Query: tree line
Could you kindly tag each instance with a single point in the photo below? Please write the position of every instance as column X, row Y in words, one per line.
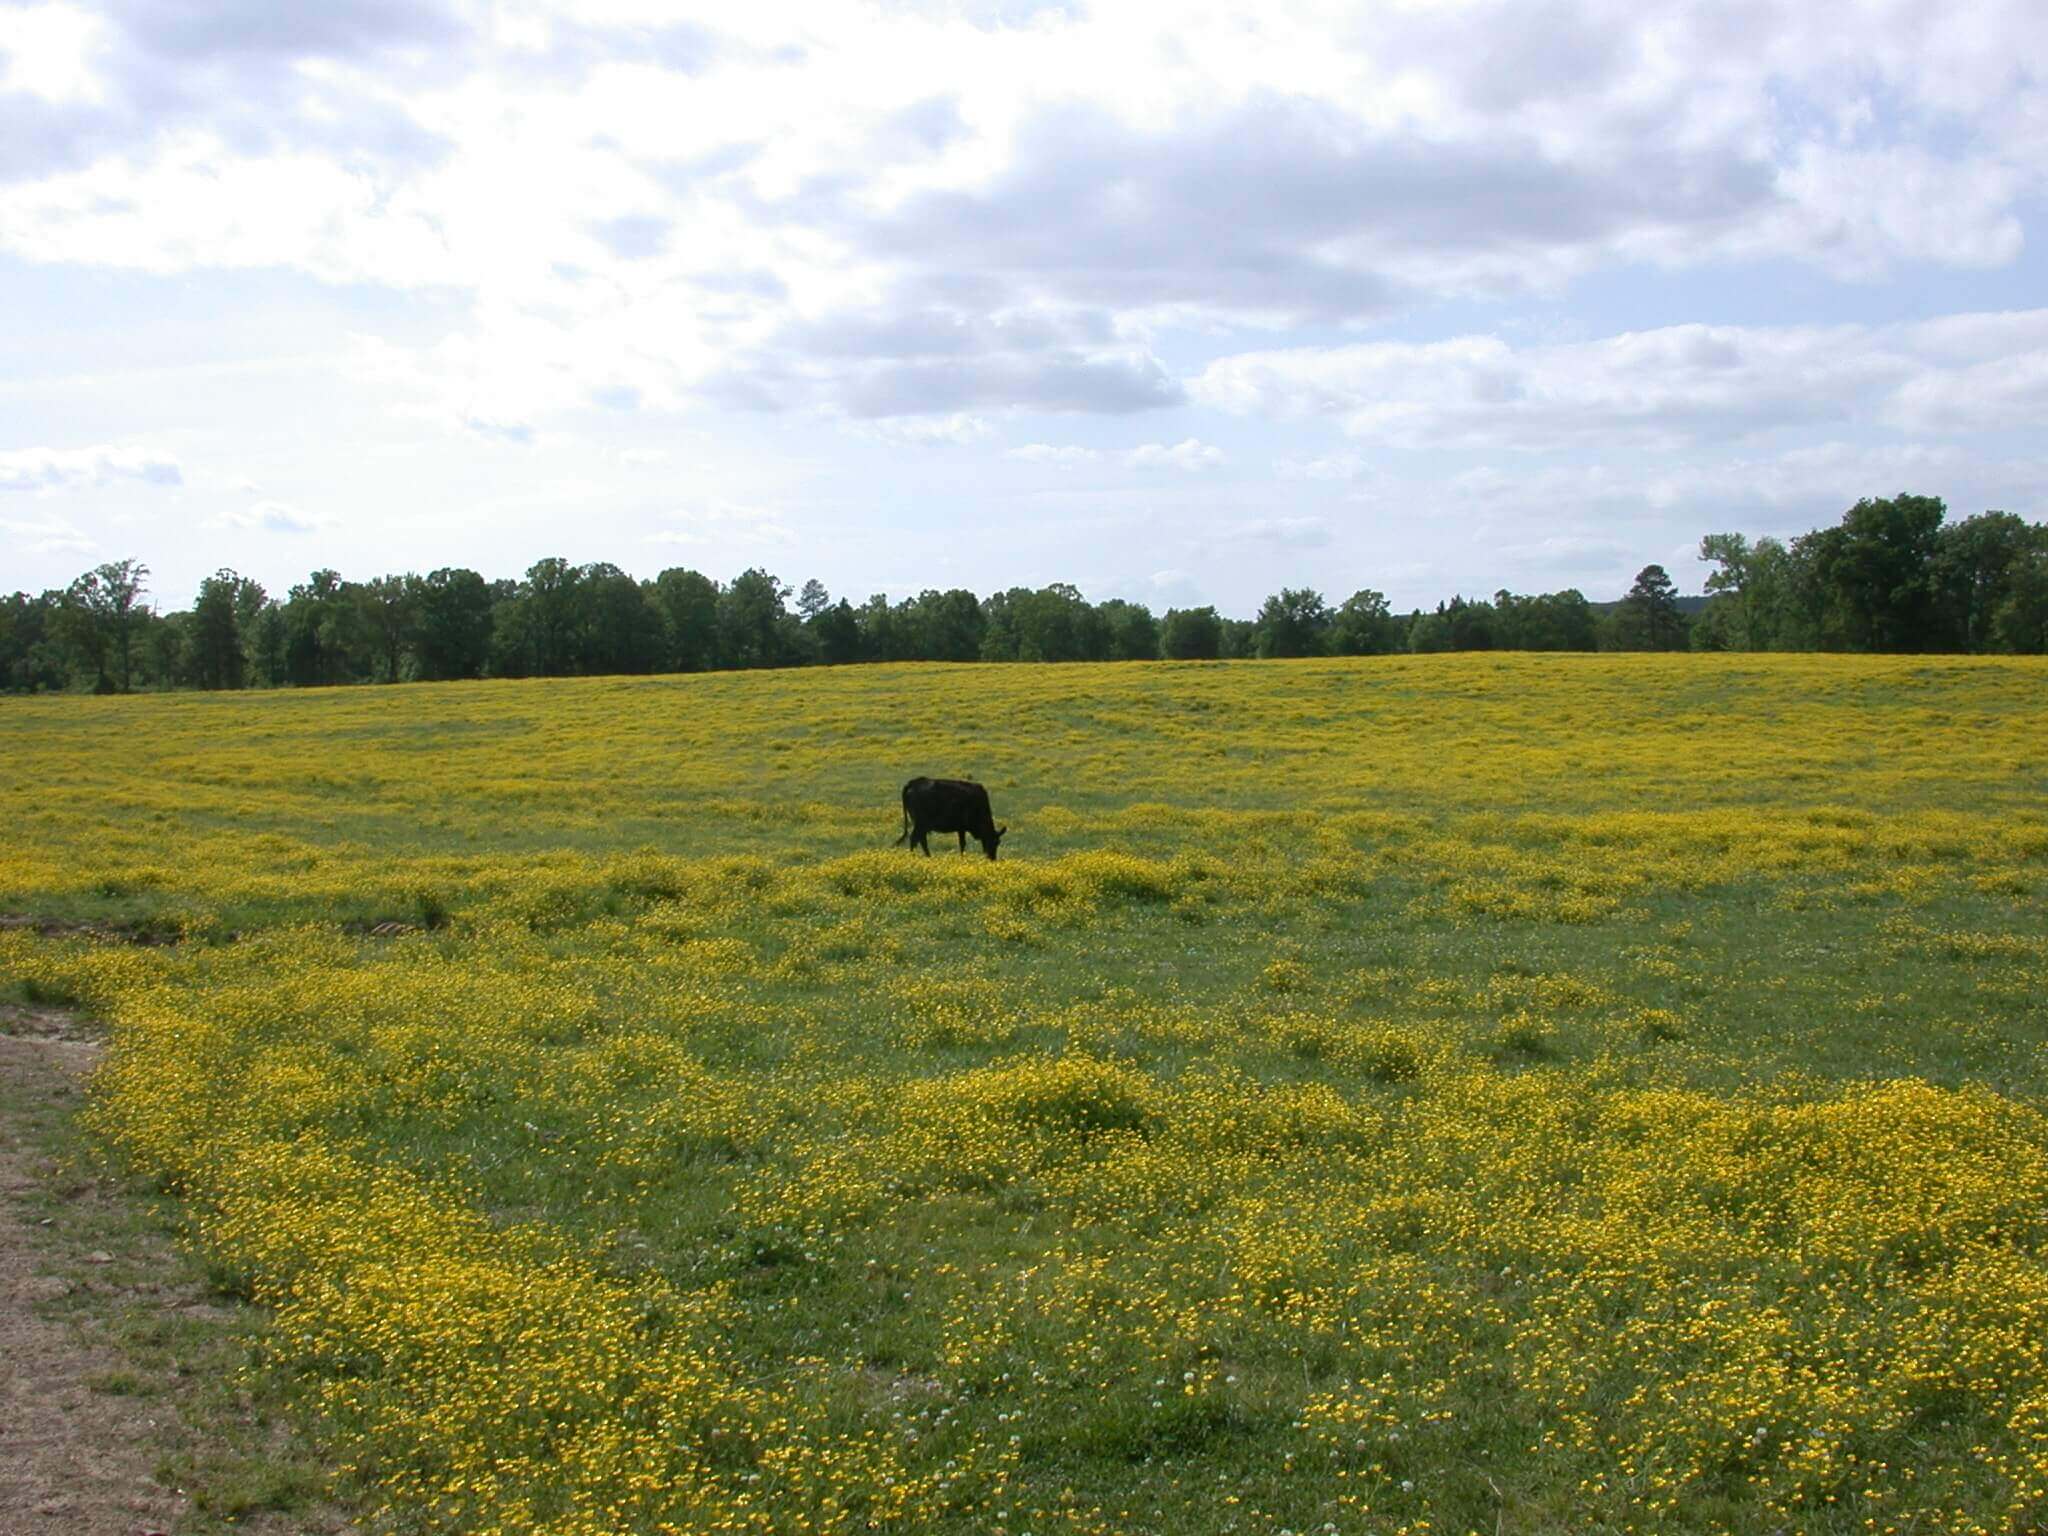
column 1893, row 575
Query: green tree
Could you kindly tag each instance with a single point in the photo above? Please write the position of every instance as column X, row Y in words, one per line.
column 1569, row 621
column 1474, row 624
column 122, row 582
column 1770, row 598
column 1871, row 578
column 884, row 634
column 452, row 624
column 813, row 600
column 2021, row 623
column 1973, row 565
column 1548, row 621
column 1714, row 628
column 999, row 630
column 31, row 651
column 512, row 643
column 263, row 645
column 1133, row 633
column 82, row 637
column 618, row 628
column 1191, row 634
column 1429, row 634
column 250, row 602
column 1459, row 625
column 1364, row 626
column 688, row 604
column 386, row 612
column 1733, row 614
column 1045, row 625
column 1763, row 598
column 316, row 646
column 838, row 632
column 1649, row 618
column 13, row 613
column 214, row 639
column 944, row 626
column 166, row 645
column 551, row 615
column 1293, row 622
column 1050, row 624
column 103, row 619
column 750, row 620
column 1094, row 635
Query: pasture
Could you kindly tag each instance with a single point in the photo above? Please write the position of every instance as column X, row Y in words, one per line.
column 1468, row 1093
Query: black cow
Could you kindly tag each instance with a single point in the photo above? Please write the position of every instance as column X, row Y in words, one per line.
column 948, row 805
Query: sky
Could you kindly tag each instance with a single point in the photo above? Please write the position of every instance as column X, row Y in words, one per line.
column 1178, row 303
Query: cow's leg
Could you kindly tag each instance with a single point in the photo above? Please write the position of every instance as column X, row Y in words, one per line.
column 922, row 839
column 963, row 842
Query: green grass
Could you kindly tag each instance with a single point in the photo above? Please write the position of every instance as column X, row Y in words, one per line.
column 1466, row 935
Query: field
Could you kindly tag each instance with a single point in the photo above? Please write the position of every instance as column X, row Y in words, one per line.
column 1497, row 1094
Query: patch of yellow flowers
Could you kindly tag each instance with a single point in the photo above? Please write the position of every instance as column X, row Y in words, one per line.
column 1142, row 1164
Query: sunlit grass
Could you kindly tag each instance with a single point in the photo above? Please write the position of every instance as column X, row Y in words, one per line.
column 1560, row 1094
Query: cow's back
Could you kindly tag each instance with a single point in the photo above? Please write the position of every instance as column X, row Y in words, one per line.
column 948, row 805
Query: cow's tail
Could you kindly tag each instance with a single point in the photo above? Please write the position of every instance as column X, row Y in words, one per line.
column 906, row 829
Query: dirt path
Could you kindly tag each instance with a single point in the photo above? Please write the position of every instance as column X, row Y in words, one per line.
column 73, row 1458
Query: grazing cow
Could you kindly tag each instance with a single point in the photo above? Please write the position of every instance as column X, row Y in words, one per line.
column 948, row 805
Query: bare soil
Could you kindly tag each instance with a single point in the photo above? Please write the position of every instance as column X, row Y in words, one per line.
column 92, row 1433
column 72, row 1460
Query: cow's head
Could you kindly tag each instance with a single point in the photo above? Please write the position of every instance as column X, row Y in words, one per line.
column 988, row 844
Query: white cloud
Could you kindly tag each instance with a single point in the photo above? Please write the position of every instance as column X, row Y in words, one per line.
column 1240, row 165
column 956, row 430
column 1332, row 467
column 47, row 536
column 720, row 523
column 1901, row 203
column 1534, row 525
column 1164, row 589
column 67, row 469
column 1561, row 554
column 1306, row 532
column 498, row 430
column 50, row 52
column 1065, row 454
column 1661, row 388
column 1187, row 454
column 511, row 372
column 194, row 203
column 971, row 221
column 270, row 517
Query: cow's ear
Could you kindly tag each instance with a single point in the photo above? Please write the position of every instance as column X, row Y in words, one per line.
column 1001, row 830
